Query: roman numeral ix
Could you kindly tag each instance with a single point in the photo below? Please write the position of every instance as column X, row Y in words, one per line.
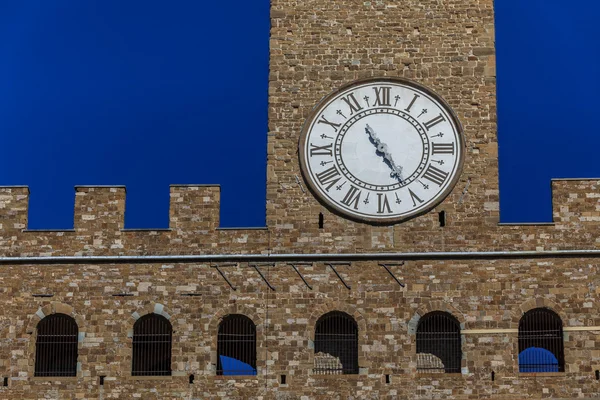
column 321, row 150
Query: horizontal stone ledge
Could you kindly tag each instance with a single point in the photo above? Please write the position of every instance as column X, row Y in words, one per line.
column 492, row 331
column 314, row 257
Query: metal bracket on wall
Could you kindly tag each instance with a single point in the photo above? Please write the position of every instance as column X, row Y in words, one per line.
column 223, row 275
column 338, row 275
column 255, row 266
column 387, row 265
column 300, row 275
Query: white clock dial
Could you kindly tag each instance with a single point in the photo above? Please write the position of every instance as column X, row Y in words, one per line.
column 382, row 150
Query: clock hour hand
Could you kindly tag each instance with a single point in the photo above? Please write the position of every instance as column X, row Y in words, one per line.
column 387, row 156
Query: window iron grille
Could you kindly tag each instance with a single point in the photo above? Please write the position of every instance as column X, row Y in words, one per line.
column 336, row 344
column 152, row 341
column 56, row 346
column 236, row 346
column 439, row 343
column 541, row 343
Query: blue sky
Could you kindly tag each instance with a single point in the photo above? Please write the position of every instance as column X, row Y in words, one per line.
column 140, row 93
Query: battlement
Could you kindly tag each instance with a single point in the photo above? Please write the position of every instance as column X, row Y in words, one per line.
column 102, row 208
column 576, row 201
column 99, row 225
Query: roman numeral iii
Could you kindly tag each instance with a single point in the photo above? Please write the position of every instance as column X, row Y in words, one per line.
column 435, row 175
column 329, row 177
column 352, row 197
column 442, row 148
column 321, row 150
column 382, row 96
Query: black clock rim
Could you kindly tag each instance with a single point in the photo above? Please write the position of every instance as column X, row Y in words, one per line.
column 379, row 221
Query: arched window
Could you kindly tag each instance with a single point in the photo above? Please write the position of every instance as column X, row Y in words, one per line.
column 236, row 346
column 56, row 346
column 438, row 343
column 541, row 347
column 152, row 336
column 336, row 344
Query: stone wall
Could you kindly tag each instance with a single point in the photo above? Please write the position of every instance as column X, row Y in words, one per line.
column 487, row 296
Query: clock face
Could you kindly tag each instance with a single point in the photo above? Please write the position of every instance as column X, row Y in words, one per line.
column 382, row 150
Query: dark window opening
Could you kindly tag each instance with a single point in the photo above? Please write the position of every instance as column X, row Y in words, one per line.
column 236, row 346
column 152, row 337
column 320, row 220
column 493, row 376
column 336, row 344
column 387, row 378
column 597, row 376
column 283, row 379
column 442, row 218
column 102, row 380
column 6, row 380
column 192, row 378
column 541, row 346
column 56, row 346
column 438, row 343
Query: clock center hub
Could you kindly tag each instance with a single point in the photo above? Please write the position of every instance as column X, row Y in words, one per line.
column 372, row 140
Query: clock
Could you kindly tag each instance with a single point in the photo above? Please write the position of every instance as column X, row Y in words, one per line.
column 381, row 150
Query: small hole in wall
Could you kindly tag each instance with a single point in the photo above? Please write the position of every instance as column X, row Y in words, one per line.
column 191, row 379
column 320, row 220
column 442, row 218
column 102, row 380
column 493, row 376
column 387, row 378
column 6, row 379
column 283, row 379
column 348, row 31
column 597, row 375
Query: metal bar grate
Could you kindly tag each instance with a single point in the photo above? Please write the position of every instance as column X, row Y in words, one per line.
column 152, row 338
column 439, row 343
column 336, row 344
column 56, row 346
column 236, row 346
column 541, row 345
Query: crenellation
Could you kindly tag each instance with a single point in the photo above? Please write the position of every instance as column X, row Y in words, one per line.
column 99, row 210
column 194, row 209
column 14, row 208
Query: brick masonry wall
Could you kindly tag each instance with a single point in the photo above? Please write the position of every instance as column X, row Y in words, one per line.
column 317, row 46
column 481, row 294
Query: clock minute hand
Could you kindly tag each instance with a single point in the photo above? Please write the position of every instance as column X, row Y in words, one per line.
column 383, row 148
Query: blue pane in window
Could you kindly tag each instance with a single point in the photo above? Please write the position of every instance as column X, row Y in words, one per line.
column 232, row 366
column 536, row 359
